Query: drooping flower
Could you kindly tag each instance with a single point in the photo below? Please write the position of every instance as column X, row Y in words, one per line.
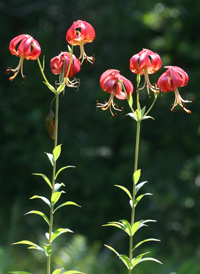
column 144, row 63
column 173, row 78
column 111, row 82
column 28, row 49
column 60, row 65
column 79, row 34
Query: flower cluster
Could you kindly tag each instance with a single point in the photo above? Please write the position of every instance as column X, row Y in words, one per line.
column 65, row 64
column 144, row 63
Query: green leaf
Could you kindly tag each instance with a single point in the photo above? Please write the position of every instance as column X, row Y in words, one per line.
column 56, row 152
column 125, row 190
column 57, row 271
column 61, row 88
column 61, row 169
column 39, row 213
column 31, row 245
column 138, row 115
column 50, row 86
column 50, row 156
column 115, row 224
column 143, row 110
column 42, row 198
column 130, row 100
column 147, row 117
column 135, row 227
column 148, row 259
column 132, row 115
column 125, row 260
column 58, row 186
column 137, row 260
column 127, row 226
column 140, row 197
column 139, row 186
column 58, row 232
column 112, row 249
column 44, row 177
column 136, row 176
column 55, row 197
column 66, row 204
column 48, row 249
column 20, row 272
column 144, row 241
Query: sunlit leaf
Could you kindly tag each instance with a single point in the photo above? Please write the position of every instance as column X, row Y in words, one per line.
column 140, row 197
column 132, row 115
column 127, row 226
column 48, row 249
column 111, row 248
column 136, row 176
column 148, row 259
column 55, row 197
column 58, row 232
column 115, row 224
column 137, row 260
column 125, row 190
column 139, row 186
column 144, row 241
column 31, row 245
column 66, row 204
column 125, row 260
column 39, row 213
column 58, row 186
column 135, row 227
column 57, row 271
column 61, row 169
column 42, row 198
column 50, row 156
column 50, row 86
column 44, row 177
column 56, row 152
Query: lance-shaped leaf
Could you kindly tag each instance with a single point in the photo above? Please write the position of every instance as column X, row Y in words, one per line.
column 125, row 190
column 58, row 232
column 48, row 249
column 132, row 115
column 144, row 241
column 57, row 271
column 50, row 157
column 58, row 186
column 136, row 176
column 147, row 259
column 140, row 197
column 42, row 198
column 50, row 86
column 20, row 272
column 30, row 244
column 56, row 152
column 123, row 225
column 44, row 177
column 56, row 196
column 66, row 204
column 39, row 213
column 137, row 259
column 61, row 169
column 139, row 186
column 122, row 257
column 127, row 226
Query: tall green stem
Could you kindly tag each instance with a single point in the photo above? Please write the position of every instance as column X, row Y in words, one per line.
column 137, row 143
column 53, row 180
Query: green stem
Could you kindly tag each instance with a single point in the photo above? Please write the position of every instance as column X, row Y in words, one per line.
column 53, row 180
column 137, row 143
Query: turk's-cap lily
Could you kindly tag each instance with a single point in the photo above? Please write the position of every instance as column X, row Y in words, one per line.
column 25, row 47
column 173, row 78
column 112, row 82
column 144, row 63
column 79, row 34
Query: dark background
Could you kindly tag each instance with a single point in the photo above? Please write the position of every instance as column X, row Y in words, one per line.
column 101, row 149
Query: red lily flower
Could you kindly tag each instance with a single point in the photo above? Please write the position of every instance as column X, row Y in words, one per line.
column 144, row 63
column 60, row 64
column 171, row 80
column 28, row 49
column 79, row 34
column 111, row 82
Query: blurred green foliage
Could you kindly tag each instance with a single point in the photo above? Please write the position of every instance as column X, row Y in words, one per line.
column 100, row 148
